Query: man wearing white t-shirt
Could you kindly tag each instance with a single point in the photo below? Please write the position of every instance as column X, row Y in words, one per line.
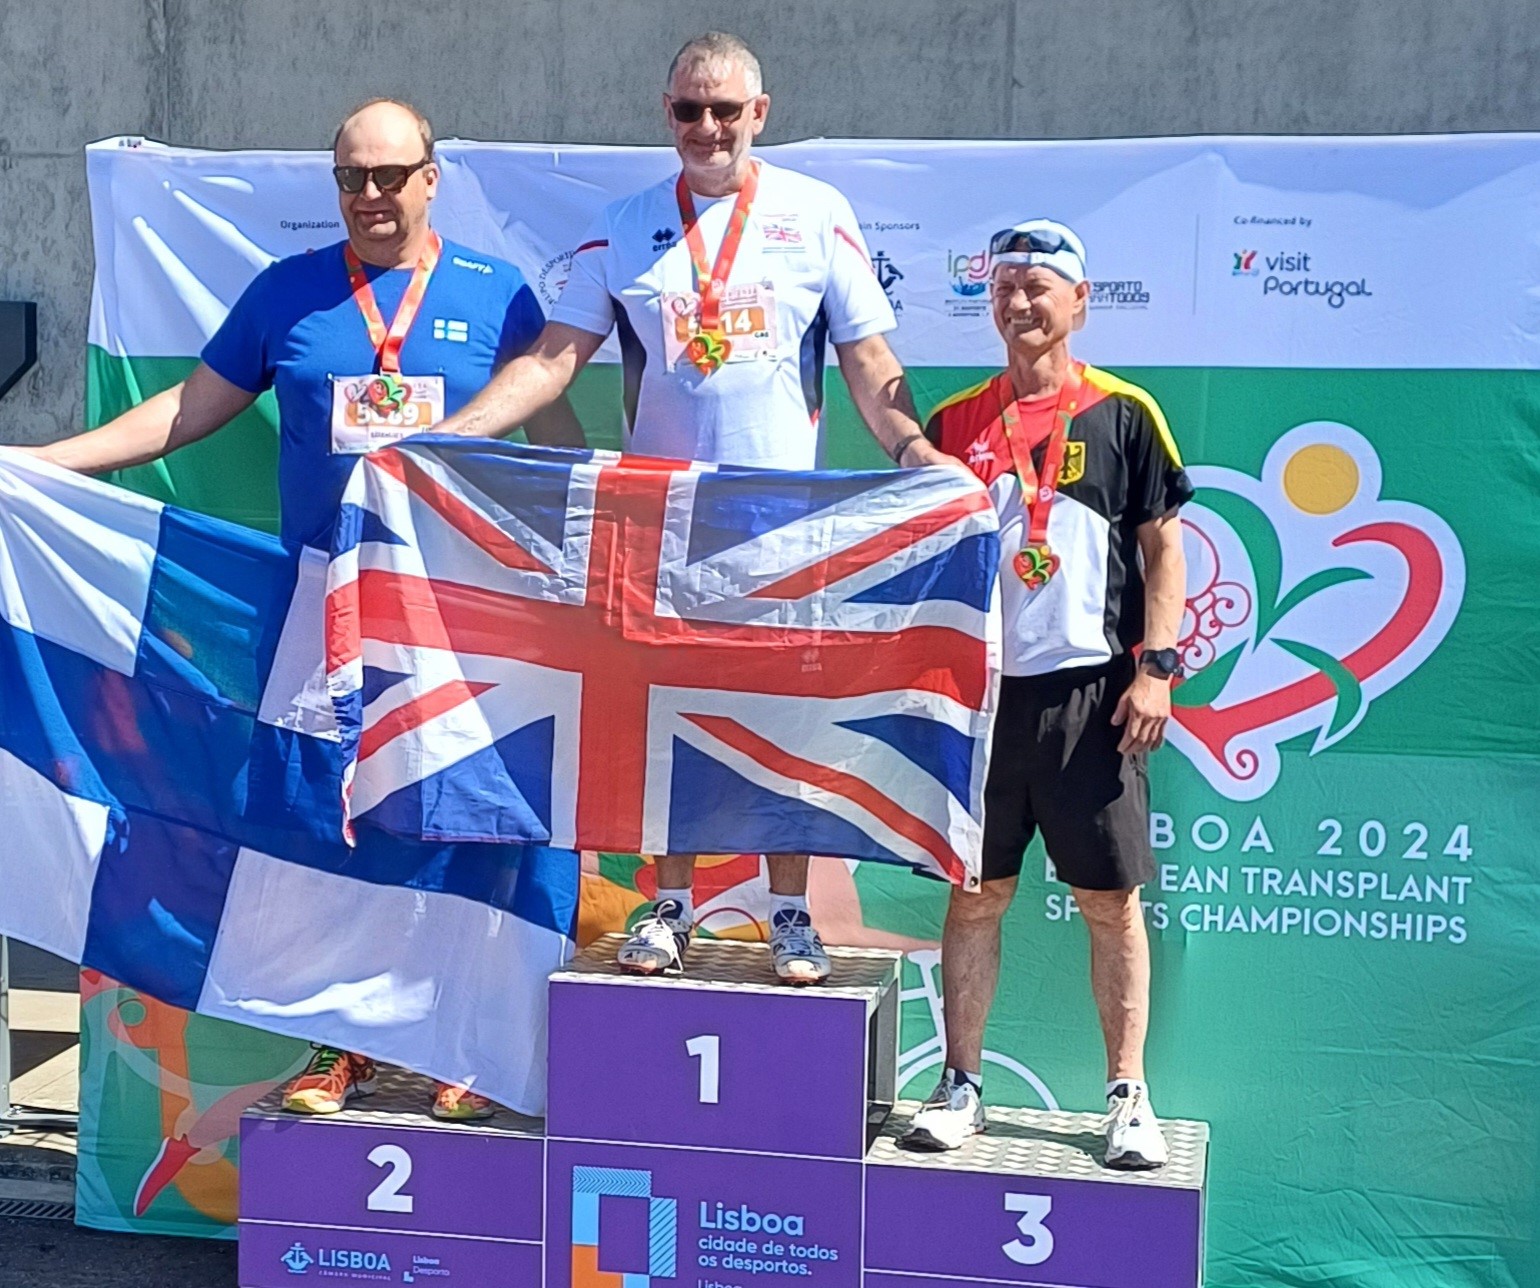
column 725, row 282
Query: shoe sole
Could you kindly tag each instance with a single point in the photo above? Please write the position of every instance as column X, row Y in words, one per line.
column 476, row 1116
column 923, row 1141
column 635, row 968
column 1132, row 1163
column 358, row 1089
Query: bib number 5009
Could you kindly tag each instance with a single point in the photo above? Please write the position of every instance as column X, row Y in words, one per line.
column 1035, row 1245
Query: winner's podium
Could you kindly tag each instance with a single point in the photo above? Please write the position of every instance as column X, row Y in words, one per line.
column 712, row 1131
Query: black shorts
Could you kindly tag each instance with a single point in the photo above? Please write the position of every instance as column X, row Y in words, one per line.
column 1054, row 765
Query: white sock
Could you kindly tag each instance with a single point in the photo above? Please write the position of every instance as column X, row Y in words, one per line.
column 686, row 898
column 787, row 903
column 1130, row 1085
column 958, row 1076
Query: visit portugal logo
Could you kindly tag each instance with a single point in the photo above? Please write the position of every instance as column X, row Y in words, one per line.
column 1309, row 596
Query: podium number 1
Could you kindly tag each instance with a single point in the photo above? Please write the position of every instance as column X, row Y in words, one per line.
column 387, row 1196
column 708, row 1047
column 1036, row 1244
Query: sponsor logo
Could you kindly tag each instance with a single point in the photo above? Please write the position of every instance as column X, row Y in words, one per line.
column 1289, row 275
column 1126, row 294
column 889, row 275
column 658, row 1259
column 297, row 1259
column 979, row 453
column 475, row 265
column 451, row 329
column 968, row 277
column 1384, row 580
column 553, row 276
column 662, row 239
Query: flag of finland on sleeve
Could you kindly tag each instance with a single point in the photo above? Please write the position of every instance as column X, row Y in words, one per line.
column 171, row 789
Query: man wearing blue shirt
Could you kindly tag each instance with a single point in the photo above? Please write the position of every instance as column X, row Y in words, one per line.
column 365, row 342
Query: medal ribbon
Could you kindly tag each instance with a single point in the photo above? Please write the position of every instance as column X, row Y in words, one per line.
column 1037, row 493
column 711, row 280
column 387, row 342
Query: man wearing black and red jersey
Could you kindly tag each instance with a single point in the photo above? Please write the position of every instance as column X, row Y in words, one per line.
column 1087, row 480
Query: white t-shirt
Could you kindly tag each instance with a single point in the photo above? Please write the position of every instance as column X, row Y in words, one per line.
column 803, row 241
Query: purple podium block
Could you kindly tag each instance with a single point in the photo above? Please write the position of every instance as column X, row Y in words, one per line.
column 1029, row 1202
column 702, row 1060
column 382, row 1192
column 645, row 1216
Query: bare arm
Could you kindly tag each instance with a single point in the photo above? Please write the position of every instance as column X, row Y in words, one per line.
column 183, row 414
column 881, row 394
column 1146, row 706
column 526, row 385
column 556, row 426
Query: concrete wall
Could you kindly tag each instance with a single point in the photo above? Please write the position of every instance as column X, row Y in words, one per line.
column 279, row 73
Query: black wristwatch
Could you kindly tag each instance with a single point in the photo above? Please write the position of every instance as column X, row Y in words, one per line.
column 1166, row 663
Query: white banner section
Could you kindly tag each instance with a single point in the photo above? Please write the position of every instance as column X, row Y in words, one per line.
column 1406, row 252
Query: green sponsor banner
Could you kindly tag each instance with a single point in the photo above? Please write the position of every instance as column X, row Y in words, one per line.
column 1345, row 914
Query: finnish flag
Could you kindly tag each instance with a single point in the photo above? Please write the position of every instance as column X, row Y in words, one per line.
column 171, row 788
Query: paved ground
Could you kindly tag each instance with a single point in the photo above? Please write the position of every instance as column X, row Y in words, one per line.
column 45, row 1062
column 56, row 1254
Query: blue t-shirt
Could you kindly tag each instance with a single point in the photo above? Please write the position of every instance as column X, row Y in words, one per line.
column 297, row 325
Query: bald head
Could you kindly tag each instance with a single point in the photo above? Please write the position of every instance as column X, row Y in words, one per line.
column 387, row 122
column 387, row 219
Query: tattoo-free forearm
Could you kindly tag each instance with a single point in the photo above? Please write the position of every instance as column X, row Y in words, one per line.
column 1165, row 587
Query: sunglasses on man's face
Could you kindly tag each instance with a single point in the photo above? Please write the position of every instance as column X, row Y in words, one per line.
column 387, row 178
column 689, row 112
column 1035, row 241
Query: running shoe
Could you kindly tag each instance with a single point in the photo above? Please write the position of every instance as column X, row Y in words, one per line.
column 1134, row 1142
column 796, row 948
column 658, row 941
column 460, row 1104
column 330, row 1080
column 953, row 1113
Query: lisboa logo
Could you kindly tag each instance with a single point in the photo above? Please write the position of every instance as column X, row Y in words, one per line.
column 1309, row 596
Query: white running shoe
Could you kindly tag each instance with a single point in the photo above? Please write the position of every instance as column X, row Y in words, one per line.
column 658, row 941
column 1134, row 1142
column 796, row 948
column 953, row 1113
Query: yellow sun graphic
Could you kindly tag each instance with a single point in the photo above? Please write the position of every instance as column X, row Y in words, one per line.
column 1320, row 478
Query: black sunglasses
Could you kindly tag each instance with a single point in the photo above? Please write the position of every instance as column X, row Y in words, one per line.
column 1035, row 241
column 689, row 112
column 387, row 178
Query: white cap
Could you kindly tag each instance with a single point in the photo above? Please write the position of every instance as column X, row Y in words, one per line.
column 1062, row 249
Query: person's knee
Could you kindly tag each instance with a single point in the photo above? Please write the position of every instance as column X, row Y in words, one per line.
column 984, row 906
column 1108, row 909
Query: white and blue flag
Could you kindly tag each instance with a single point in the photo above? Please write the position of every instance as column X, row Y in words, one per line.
column 171, row 789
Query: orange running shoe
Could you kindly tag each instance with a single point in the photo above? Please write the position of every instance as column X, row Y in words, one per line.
column 330, row 1080
column 460, row 1104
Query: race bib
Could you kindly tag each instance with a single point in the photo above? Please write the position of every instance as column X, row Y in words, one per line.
column 370, row 412
column 747, row 332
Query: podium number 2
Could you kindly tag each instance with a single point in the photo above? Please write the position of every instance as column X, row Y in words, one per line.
column 387, row 1196
column 708, row 1048
column 1036, row 1244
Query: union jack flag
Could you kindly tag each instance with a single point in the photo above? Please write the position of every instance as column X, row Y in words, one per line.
column 590, row 651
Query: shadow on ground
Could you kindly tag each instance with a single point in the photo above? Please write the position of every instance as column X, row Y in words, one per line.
column 56, row 1254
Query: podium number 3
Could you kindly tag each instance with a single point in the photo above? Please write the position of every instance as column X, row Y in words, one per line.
column 1036, row 1244
column 387, row 1196
column 708, row 1049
